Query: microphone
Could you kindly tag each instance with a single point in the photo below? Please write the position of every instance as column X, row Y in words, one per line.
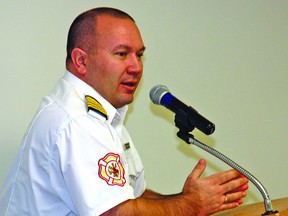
column 160, row 95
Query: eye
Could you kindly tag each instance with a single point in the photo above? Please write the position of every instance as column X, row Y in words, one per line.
column 121, row 54
column 140, row 55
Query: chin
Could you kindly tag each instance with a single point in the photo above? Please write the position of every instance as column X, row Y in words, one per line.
column 123, row 102
column 128, row 100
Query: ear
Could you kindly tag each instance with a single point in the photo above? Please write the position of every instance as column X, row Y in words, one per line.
column 79, row 58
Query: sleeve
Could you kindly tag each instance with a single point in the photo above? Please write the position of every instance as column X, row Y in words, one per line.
column 87, row 160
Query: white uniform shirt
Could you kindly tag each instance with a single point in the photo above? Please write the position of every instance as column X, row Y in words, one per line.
column 72, row 161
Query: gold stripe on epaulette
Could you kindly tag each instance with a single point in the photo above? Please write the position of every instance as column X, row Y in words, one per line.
column 94, row 105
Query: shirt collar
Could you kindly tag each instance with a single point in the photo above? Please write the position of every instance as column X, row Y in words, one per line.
column 115, row 116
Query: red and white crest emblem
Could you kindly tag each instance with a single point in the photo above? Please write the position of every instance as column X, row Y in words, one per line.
column 111, row 170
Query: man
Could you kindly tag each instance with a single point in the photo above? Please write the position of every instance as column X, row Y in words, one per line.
column 77, row 157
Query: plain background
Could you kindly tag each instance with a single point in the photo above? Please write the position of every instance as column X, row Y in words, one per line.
column 225, row 58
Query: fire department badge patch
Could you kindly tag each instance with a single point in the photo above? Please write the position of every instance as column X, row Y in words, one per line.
column 111, row 170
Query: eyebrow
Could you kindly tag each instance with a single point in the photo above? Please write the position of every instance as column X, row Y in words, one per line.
column 143, row 49
column 123, row 46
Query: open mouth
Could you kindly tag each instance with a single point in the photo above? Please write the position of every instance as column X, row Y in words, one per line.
column 129, row 87
column 130, row 84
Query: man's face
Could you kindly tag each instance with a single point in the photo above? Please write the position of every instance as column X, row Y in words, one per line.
column 115, row 67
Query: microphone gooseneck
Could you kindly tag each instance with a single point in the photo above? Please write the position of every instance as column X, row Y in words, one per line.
column 231, row 163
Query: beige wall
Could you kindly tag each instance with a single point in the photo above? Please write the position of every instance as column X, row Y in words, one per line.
column 226, row 58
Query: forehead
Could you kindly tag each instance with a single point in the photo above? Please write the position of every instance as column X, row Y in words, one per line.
column 114, row 31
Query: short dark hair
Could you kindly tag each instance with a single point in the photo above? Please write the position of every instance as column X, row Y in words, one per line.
column 82, row 31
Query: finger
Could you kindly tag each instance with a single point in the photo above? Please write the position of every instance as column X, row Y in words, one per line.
column 234, row 184
column 198, row 169
column 235, row 197
column 241, row 188
column 232, row 200
column 229, row 175
column 227, row 206
column 240, row 201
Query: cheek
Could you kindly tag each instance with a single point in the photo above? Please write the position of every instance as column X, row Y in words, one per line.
column 107, row 72
column 98, row 71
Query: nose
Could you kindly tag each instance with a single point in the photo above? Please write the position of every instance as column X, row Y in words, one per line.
column 135, row 64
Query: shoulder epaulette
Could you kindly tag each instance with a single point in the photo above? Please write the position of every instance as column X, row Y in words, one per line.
column 94, row 105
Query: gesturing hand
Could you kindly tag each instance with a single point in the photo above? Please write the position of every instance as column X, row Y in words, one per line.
column 214, row 193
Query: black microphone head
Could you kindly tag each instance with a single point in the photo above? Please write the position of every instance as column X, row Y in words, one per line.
column 157, row 92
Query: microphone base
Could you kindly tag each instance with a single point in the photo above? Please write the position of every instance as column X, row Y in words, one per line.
column 271, row 213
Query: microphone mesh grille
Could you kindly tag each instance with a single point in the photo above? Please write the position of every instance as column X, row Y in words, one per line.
column 157, row 92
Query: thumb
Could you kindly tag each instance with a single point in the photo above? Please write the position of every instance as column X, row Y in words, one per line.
column 198, row 169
